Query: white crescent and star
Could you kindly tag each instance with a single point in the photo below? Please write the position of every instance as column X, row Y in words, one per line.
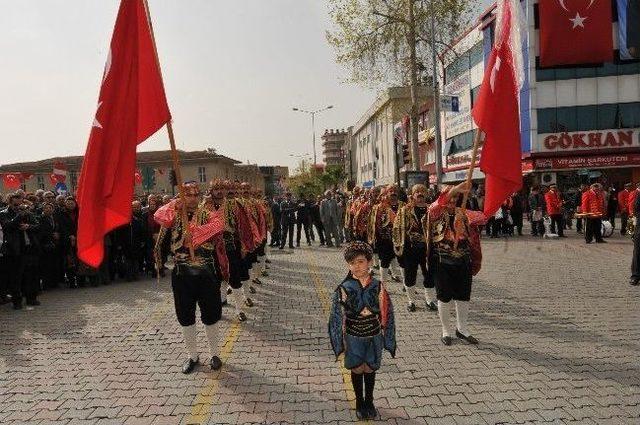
column 96, row 123
column 107, row 68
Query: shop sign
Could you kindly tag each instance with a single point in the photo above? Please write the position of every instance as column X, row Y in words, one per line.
column 461, row 160
column 460, row 121
column 593, row 140
column 585, row 162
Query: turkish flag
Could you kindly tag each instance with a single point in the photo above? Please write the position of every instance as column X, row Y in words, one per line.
column 497, row 111
column 11, row 180
column 132, row 106
column 137, row 177
column 574, row 32
column 53, row 179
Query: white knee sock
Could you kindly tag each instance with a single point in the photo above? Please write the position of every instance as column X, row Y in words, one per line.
column 392, row 267
column 408, row 292
column 244, row 294
column 429, row 295
column 223, row 291
column 237, row 300
column 212, row 337
column 462, row 316
column 376, row 260
column 444, row 312
column 384, row 273
column 190, row 342
column 263, row 264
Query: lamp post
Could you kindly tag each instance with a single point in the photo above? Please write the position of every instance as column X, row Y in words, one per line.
column 313, row 125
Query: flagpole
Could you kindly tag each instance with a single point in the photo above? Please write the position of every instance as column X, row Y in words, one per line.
column 472, row 166
column 172, row 142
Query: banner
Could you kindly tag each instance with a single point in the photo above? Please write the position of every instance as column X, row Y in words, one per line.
column 629, row 29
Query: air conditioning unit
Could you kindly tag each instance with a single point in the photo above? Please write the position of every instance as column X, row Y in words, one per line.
column 548, row 178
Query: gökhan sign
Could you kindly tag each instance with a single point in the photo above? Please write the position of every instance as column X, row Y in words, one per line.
column 590, row 140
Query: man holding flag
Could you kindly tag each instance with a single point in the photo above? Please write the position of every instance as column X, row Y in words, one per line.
column 454, row 243
column 132, row 106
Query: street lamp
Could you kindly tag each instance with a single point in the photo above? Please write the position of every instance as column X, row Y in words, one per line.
column 313, row 125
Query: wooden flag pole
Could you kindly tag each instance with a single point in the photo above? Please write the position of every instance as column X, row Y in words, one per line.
column 172, row 142
column 472, row 166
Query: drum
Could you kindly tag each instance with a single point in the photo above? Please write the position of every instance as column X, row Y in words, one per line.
column 607, row 229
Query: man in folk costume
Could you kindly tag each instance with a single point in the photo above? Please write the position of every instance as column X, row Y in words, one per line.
column 454, row 258
column 194, row 280
column 410, row 244
column 239, row 241
column 250, row 206
column 380, row 231
column 361, row 216
column 264, row 220
column 349, row 211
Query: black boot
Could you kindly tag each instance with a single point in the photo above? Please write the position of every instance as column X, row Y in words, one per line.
column 356, row 381
column 369, row 409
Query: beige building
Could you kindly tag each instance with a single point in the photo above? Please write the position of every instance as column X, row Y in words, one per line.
column 333, row 147
column 372, row 147
column 154, row 167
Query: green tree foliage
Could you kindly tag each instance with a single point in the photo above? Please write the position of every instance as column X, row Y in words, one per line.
column 372, row 38
column 308, row 182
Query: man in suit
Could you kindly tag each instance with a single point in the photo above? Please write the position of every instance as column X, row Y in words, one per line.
column 21, row 250
column 287, row 214
column 329, row 217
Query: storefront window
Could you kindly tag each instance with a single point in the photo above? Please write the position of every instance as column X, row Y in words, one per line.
column 629, row 115
column 475, row 54
column 586, row 117
column 547, row 120
column 566, row 119
column 607, row 116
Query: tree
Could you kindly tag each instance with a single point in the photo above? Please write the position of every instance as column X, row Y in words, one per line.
column 308, row 182
column 386, row 41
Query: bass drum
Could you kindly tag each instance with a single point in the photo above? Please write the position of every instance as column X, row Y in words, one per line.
column 607, row 229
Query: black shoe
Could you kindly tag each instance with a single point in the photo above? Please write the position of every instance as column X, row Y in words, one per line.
column 370, row 410
column 215, row 363
column 280, row 247
column 468, row 338
column 634, row 282
column 589, row 242
column 248, row 302
column 360, row 410
column 257, row 281
column 17, row 306
column 297, row 245
column 241, row 317
column 252, row 290
column 189, row 365
column 33, row 303
column 411, row 307
column 291, row 246
column 396, row 279
column 224, row 303
column 432, row 306
column 446, row 340
column 229, row 291
column 376, row 267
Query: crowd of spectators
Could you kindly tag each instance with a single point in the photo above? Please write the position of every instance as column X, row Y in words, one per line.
column 38, row 251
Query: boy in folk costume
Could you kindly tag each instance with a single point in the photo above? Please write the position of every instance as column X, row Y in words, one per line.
column 454, row 258
column 194, row 280
column 410, row 244
column 380, row 230
column 362, row 324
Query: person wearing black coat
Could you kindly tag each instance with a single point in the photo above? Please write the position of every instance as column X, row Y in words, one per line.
column 303, row 219
column 635, row 263
column 68, row 220
column 287, row 219
column 49, row 242
column 316, row 220
column 517, row 210
column 277, row 216
column 21, row 250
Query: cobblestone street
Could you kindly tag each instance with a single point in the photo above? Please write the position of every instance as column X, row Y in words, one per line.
column 558, row 324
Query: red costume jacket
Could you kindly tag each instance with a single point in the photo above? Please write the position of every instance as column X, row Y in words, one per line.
column 593, row 203
column 554, row 202
column 623, row 200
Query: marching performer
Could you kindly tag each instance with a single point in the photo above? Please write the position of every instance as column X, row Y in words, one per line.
column 194, row 280
column 410, row 245
column 349, row 211
column 362, row 324
column 454, row 258
column 380, row 231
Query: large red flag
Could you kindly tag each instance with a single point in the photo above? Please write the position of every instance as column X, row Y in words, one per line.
column 497, row 110
column 575, row 32
column 131, row 107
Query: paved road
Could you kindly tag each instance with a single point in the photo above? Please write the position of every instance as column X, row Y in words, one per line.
column 558, row 324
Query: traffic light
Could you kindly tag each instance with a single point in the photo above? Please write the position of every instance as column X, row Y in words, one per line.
column 172, row 178
column 406, row 154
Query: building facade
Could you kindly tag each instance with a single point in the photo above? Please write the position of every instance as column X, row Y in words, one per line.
column 373, row 155
column 153, row 168
column 578, row 123
column 275, row 178
column 333, row 147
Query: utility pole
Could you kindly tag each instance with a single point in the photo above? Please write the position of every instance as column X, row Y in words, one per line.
column 436, row 99
column 313, row 125
column 413, row 71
